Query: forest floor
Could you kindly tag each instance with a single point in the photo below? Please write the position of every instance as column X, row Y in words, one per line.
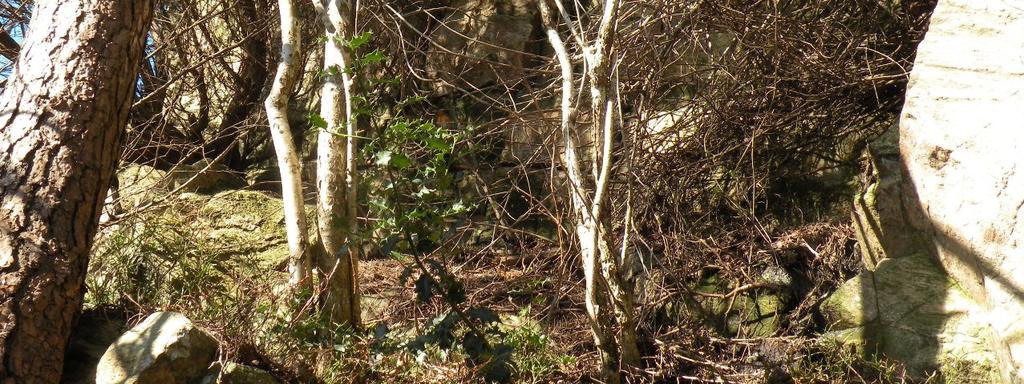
column 537, row 284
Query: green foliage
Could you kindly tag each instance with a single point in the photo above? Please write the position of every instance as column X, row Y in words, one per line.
column 178, row 258
column 535, row 358
column 159, row 262
column 830, row 362
column 414, row 194
column 416, row 208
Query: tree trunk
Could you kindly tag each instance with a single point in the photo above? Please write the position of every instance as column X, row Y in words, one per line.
column 605, row 289
column 605, row 112
column 276, row 104
column 336, row 170
column 63, row 112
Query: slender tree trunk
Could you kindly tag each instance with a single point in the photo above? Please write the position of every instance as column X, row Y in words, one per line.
column 585, row 231
column 604, row 285
column 276, row 104
column 336, row 170
column 63, row 112
column 605, row 115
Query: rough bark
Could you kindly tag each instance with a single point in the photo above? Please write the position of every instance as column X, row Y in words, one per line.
column 276, row 104
column 336, row 170
column 63, row 112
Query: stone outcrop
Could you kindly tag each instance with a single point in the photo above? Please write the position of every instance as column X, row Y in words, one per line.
column 479, row 42
column 165, row 348
column 229, row 225
column 961, row 136
column 205, row 177
column 239, row 223
column 941, row 226
column 908, row 308
column 139, row 184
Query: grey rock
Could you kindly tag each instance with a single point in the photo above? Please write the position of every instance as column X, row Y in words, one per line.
column 206, row 178
column 963, row 186
column 910, row 310
column 166, row 348
column 140, row 184
column 479, row 41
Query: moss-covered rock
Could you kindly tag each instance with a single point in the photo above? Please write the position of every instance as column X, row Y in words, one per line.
column 910, row 310
column 205, row 177
column 190, row 243
column 237, row 223
column 234, row 373
column 751, row 313
column 165, row 348
column 140, row 183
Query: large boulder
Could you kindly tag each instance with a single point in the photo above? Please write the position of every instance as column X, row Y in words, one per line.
column 480, row 42
column 904, row 305
column 909, row 309
column 236, row 223
column 166, row 348
column 205, row 177
column 94, row 332
column 943, row 229
column 961, row 136
column 139, row 184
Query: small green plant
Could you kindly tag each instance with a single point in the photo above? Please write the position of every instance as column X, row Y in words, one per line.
column 415, row 207
column 833, row 362
column 415, row 210
column 535, row 358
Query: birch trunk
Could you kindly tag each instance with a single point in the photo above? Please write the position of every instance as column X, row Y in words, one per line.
column 336, row 171
column 604, row 112
column 62, row 115
column 276, row 105
column 604, row 286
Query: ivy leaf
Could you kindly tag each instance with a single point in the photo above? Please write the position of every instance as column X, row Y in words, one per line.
column 499, row 368
column 485, row 315
column 423, row 192
column 359, row 41
column 388, row 244
column 455, row 293
column 400, row 161
column 474, row 346
column 406, row 272
column 380, row 332
column 374, row 57
column 424, row 288
column 317, row 121
column 383, row 158
column 437, row 144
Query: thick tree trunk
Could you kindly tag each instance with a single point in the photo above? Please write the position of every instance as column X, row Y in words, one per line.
column 62, row 113
column 336, row 170
column 276, row 104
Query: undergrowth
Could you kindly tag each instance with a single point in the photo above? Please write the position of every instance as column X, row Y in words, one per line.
column 164, row 260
